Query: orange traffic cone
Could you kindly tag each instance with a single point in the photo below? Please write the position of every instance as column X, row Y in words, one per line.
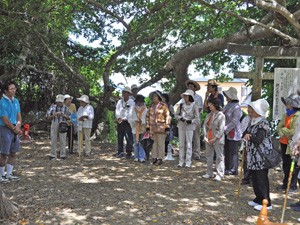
column 263, row 219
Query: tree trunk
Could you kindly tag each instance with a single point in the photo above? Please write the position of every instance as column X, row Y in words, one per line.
column 7, row 207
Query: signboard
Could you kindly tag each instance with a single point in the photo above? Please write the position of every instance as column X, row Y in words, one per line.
column 286, row 82
column 73, row 118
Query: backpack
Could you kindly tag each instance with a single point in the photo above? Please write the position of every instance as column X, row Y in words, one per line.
column 63, row 127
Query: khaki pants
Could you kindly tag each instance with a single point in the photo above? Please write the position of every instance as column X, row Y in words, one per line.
column 86, row 134
column 158, row 148
column 220, row 166
column 62, row 139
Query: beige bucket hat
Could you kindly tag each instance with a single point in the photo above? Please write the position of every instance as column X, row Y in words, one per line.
column 231, row 93
column 84, row 98
column 188, row 92
column 59, row 98
column 128, row 89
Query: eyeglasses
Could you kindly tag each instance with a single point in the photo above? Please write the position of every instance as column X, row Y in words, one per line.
column 209, row 104
column 12, row 89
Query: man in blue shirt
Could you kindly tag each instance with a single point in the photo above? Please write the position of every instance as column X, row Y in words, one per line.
column 10, row 129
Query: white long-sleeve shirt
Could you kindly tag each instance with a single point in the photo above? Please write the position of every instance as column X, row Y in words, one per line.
column 133, row 118
column 88, row 110
column 123, row 108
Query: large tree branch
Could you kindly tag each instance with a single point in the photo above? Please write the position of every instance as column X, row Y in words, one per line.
column 59, row 61
column 293, row 41
column 120, row 19
column 274, row 6
column 35, row 70
column 156, row 8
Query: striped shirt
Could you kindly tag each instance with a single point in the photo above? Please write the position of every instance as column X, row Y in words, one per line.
column 56, row 109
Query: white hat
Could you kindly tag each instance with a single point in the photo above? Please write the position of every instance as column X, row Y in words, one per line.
column 84, row 98
column 188, row 92
column 128, row 89
column 260, row 106
column 231, row 93
column 134, row 86
column 59, row 98
column 68, row 96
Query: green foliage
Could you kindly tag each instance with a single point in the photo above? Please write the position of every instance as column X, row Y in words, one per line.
column 110, row 128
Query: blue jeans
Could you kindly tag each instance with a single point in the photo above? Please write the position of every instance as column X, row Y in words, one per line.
column 139, row 152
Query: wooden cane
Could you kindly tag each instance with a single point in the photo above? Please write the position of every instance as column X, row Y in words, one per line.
column 80, row 142
column 241, row 173
column 71, row 136
column 288, row 188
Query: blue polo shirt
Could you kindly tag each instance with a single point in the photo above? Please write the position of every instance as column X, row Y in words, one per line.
column 9, row 109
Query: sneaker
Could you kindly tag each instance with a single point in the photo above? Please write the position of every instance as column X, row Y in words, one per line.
column 12, row 178
column 136, row 160
column 291, row 191
column 259, row 207
column 281, row 188
column 297, row 208
column 196, row 157
column 180, row 165
column 4, row 180
column 252, row 203
column 297, row 204
column 244, row 182
column 207, row 176
column 188, row 166
column 159, row 162
column 298, row 219
column 218, row 178
column 51, row 158
column 142, row 160
column 63, row 158
column 120, row 155
column 128, row 156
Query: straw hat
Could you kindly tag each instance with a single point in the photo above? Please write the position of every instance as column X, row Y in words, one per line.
column 194, row 83
column 293, row 100
column 212, row 82
column 59, row 98
column 127, row 89
column 68, row 96
column 260, row 106
column 84, row 98
column 188, row 92
column 231, row 93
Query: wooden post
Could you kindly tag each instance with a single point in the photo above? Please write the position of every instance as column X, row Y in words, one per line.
column 261, row 52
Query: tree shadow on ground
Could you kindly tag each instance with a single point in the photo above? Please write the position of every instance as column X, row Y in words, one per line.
column 102, row 189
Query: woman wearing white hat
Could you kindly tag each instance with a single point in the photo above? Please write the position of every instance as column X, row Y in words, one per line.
column 258, row 138
column 233, row 114
column 188, row 116
column 85, row 116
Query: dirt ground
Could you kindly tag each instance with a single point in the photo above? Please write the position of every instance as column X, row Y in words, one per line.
column 103, row 189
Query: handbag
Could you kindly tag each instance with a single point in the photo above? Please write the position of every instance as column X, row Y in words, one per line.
column 62, row 127
column 270, row 160
column 159, row 128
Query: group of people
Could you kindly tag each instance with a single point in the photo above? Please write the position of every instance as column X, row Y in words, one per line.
column 63, row 126
column 223, row 129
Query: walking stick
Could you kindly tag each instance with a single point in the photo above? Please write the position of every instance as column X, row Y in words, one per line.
column 241, row 173
column 288, row 187
column 80, row 143
column 71, row 138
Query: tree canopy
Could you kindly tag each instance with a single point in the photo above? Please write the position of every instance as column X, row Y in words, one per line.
column 149, row 40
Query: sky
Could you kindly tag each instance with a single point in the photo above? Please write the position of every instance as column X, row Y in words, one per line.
column 119, row 78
